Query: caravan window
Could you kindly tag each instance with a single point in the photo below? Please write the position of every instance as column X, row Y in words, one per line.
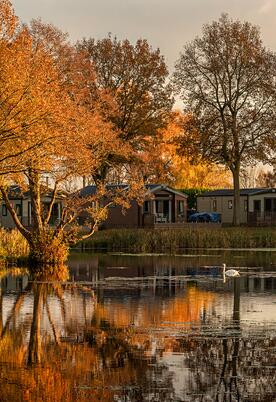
column 270, row 204
column 146, row 207
column 159, row 206
column 257, row 205
column 4, row 210
column 214, row 205
column 180, row 207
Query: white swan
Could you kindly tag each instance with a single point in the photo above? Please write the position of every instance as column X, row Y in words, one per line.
column 230, row 273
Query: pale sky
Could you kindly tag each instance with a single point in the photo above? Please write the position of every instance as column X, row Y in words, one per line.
column 167, row 24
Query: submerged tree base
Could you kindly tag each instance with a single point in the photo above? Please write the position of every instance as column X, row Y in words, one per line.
column 48, row 252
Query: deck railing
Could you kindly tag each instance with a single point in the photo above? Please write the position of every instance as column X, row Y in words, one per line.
column 259, row 218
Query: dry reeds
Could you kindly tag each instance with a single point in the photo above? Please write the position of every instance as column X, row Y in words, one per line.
column 171, row 240
column 12, row 244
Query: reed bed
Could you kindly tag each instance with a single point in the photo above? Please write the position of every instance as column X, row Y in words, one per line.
column 172, row 240
column 12, row 244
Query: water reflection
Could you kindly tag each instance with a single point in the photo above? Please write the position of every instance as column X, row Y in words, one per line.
column 258, row 270
column 155, row 338
column 228, row 384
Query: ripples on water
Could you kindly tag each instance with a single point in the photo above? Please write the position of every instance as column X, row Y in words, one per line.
column 147, row 328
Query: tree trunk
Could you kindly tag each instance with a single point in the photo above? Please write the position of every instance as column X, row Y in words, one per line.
column 1, row 310
column 34, row 186
column 34, row 353
column 46, row 248
column 236, row 210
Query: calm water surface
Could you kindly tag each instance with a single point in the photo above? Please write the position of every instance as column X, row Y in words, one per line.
column 142, row 328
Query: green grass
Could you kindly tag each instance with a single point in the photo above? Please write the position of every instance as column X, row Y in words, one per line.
column 12, row 244
column 171, row 240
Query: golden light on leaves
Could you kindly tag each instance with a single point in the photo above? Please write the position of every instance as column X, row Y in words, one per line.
column 185, row 167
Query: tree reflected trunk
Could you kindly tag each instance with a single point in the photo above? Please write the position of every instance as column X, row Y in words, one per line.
column 236, row 340
column 34, row 352
column 11, row 317
column 236, row 304
column 228, row 387
column 52, row 323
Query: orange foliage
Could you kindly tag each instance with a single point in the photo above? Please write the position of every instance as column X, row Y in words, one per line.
column 52, row 124
column 186, row 168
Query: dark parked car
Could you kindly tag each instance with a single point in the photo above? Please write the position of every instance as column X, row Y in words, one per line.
column 205, row 217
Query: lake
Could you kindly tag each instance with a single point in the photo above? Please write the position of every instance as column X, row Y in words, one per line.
column 142, row 328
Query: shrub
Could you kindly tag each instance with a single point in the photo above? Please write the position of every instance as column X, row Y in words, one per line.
column 12, row 244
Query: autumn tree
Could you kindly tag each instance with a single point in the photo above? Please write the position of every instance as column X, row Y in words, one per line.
column 48, row 130
column 27, row 93
column 161, row 161
column 62, row 159
column 135, row 77
column 185, row 169
column 35, row 115
column 226, row 79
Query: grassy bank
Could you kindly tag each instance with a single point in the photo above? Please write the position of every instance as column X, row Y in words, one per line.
column 12, row 245
column 171, row 240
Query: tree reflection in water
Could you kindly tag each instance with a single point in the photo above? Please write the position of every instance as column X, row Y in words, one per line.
column 65, row 362
column 231, row 367
column 60, row 342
